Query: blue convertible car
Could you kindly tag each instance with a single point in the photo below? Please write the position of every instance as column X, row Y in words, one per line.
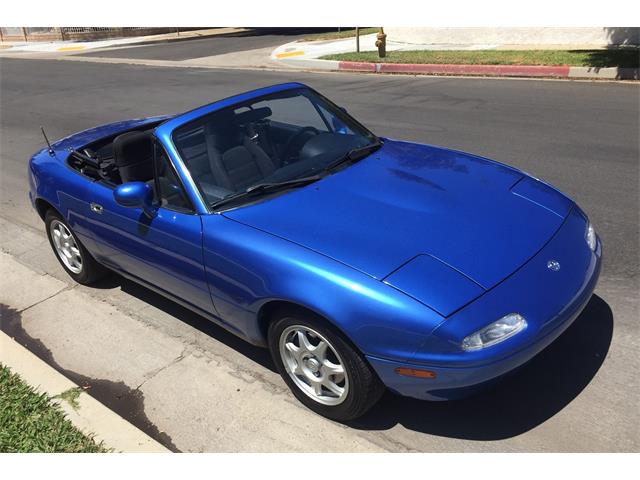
column 361, row 262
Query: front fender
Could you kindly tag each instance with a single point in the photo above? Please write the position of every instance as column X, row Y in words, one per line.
column 247, row 268
column 52, row 181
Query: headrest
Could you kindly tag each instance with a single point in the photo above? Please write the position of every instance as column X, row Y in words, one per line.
column 132, row 147
column 253, row 115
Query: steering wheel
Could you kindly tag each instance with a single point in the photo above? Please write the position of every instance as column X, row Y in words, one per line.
column 294, row 144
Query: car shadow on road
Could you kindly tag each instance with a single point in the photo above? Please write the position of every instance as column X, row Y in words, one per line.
column 529, row 397
column 257, row 354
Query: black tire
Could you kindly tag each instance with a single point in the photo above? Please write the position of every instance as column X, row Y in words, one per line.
column 365, row 388
column 90, row 271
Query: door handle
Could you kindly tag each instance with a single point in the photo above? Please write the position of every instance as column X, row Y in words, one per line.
column 96, row 208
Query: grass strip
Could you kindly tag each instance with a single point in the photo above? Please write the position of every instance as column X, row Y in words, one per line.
column 620, row 57
column 31, row 422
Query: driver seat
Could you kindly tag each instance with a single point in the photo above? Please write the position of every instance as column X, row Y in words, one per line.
column 236, row 161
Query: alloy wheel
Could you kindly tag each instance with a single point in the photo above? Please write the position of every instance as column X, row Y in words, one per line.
column 65, row 246
column 314, row 365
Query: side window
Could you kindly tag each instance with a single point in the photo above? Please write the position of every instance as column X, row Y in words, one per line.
column 167, row 187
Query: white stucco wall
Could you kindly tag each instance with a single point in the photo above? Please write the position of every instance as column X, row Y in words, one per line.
column 594, row 36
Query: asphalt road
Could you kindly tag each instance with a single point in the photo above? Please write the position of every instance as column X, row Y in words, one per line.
column 207, row 47
column 581, row 137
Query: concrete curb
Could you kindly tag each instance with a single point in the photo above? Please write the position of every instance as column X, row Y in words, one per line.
column 89, row 415
column 492, row 70
column 531, row 71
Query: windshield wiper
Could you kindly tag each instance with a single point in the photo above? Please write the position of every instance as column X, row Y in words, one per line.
column 354, row 155
column 267, row 188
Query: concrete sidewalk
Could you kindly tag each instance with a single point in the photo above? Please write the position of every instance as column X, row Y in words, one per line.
column 318, row 48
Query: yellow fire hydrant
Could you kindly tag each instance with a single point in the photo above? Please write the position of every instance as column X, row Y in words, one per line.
column 381, row 43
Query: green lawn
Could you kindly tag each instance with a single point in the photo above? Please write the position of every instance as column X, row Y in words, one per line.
column 624, row 57
column 30, row 422
column 341, row 34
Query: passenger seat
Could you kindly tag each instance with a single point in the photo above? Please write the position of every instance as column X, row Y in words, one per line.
column 236, row 162
column 133, row 156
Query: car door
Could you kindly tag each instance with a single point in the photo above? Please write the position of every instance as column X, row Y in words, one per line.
column 164, row 251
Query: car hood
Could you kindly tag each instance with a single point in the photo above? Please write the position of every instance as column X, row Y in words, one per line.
column 477, row 217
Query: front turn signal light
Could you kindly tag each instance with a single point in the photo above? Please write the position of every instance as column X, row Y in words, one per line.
column 415, row 372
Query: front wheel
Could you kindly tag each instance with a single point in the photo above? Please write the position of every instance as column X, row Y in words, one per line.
column 321, row 368
column 74, row 258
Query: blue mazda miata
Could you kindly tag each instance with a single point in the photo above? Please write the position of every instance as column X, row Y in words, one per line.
column 361, row 262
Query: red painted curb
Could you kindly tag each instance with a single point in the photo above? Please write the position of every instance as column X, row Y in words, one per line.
column 357, row 66
column 435, row 69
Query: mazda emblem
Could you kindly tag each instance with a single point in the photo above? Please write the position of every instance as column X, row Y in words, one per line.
column 553, row 265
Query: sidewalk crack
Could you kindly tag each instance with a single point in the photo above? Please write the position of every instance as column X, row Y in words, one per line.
column 68, row 287
column 155, row 372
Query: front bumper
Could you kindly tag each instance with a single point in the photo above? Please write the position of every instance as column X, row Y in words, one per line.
column 550, row 301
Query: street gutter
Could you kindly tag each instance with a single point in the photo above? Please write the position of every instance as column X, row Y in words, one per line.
column 526, row 71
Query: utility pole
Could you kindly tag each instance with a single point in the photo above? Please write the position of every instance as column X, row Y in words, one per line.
column 357, row 39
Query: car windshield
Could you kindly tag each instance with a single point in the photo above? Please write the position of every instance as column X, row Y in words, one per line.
column 280, row 137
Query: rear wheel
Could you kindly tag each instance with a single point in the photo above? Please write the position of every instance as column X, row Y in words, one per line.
column 74, row 258
column 320, row 366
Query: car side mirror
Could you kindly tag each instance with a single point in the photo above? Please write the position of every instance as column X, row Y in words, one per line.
column 136, row 195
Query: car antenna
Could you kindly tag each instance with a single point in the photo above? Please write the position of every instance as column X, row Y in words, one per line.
column 51, row 152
